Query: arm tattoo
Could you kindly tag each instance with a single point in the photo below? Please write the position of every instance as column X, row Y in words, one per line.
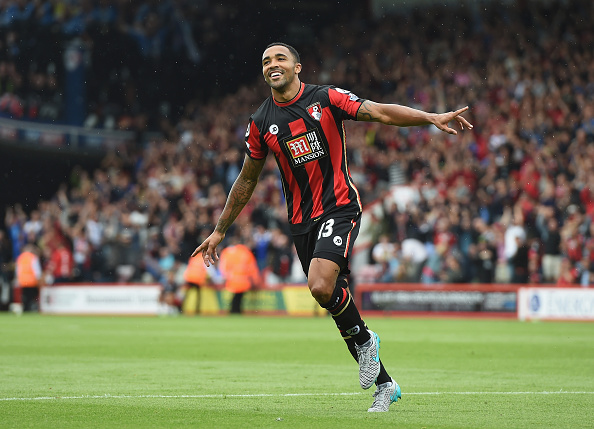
column 365, row 112
column 240, row 194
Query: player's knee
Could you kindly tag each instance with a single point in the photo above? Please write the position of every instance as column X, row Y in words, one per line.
column 321, row 290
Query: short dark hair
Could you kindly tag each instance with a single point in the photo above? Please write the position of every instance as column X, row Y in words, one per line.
column 291, row 49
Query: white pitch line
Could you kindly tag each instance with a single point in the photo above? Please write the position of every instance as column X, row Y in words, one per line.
column 557, row 392
column 268, row 395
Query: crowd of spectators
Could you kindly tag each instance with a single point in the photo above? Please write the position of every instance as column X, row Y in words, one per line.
column 510, row 201
column 127, row 47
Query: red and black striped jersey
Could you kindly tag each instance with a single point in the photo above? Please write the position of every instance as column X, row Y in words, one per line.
column 307, row 137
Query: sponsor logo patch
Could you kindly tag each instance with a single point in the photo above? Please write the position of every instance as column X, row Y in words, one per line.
column 352, row 96
column 353, row 331
column 305, row 147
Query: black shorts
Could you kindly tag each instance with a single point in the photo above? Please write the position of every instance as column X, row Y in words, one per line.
column 332, row 239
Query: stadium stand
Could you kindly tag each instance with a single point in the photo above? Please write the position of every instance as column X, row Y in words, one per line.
column 512, row 201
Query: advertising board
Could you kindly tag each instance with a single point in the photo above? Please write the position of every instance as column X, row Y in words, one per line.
column 454, row 299
column 142, row 299
column 555, row 303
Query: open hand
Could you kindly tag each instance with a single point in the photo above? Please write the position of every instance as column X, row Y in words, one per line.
column 441, row 120
column 209, row 248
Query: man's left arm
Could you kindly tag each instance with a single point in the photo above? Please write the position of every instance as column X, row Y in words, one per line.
column 403, row 116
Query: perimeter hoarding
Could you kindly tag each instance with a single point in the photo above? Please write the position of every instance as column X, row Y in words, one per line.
column 477, row 300
column 546, row 303
column 292, row 300
column 143, row 299
column 467, row 300
column 127, row 299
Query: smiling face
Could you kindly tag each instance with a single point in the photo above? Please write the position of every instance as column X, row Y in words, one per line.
column 280, row 69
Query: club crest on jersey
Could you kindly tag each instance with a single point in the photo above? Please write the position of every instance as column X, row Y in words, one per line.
column 305, row 147
column 315, row 111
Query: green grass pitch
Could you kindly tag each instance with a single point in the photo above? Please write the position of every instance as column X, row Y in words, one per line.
column 282, row 372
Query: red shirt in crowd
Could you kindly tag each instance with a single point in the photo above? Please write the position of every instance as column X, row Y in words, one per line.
column 573, row 248
column 587, row 198
column 61, row 263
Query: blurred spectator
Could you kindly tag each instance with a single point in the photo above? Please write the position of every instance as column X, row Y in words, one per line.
column 5, row 253
column 414, row 255
column 195, row 277
column 515, row 233
column 29, row 277
column 484, row 258
column 280, row 257
column 383, row 250
column 6, row 270
column 240, row 272
column 388, row 259
column 60, row 267
column 32, row 227
column 261, row 243
column 452, row 271
column 588, row 261
column 14, row 220
column 171, row 298
column 568, row 275
column 519, row 261
column 81, row 254
column 548, row 227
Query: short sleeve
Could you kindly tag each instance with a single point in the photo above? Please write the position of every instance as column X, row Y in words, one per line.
column 346, row 101
column 255, row 148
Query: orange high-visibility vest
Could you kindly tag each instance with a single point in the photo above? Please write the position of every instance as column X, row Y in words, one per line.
column 239, row 268
column 28, row 270
column 196, row 271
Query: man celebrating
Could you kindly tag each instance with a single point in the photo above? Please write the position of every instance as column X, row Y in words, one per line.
column 303, row 127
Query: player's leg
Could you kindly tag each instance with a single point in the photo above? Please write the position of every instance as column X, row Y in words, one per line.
column 387, row 391
column 336, row 244
column 327, row 279
column 362, row 343
column 322, row 272
column 383, row 376
column 332, row 295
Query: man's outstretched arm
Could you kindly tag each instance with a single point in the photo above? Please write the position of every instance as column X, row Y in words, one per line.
column 240, row 194
column 403, row 116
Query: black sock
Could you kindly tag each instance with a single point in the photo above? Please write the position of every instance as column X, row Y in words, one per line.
column 383, row 376
column 346, row 316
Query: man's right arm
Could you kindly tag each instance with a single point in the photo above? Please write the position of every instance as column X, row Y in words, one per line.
column 240, row 194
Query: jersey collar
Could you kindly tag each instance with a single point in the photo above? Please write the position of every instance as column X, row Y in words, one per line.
column 292, row 100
